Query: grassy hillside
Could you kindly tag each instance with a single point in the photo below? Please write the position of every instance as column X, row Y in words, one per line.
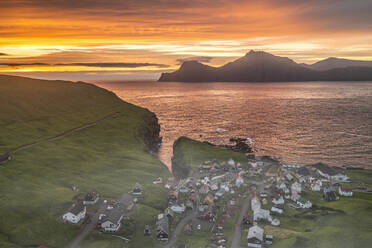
column 189, row 154
column 346, row 223
column 35, row 186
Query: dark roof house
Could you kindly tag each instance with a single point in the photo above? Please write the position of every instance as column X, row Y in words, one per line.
column 91, row 197
column 162, row 229
column 76, row 208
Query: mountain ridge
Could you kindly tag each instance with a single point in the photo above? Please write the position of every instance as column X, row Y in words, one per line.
column 260, row 66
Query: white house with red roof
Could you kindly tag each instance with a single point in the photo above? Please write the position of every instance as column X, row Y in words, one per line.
column 345, row 191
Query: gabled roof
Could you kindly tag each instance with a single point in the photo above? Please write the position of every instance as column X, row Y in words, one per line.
column 138, row 186
column 113, row 215
column 255, row 232
column 325, row 169
column 346, row 189
column 76, row 208
column 91, row 196
column 303, row 171
column 162, row 225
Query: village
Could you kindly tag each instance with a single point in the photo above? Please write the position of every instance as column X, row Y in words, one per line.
column 214, row 194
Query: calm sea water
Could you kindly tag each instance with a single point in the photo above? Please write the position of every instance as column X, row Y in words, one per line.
column 299, row 123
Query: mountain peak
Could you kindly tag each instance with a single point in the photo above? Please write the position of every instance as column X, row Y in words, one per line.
column 253, row 52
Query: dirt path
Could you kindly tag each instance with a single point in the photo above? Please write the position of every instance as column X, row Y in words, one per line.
column 235, row 243
column 191, row 215
column 172, row 241
column 68, row 132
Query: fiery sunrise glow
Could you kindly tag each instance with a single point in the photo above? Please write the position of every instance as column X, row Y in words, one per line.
column 140, row 39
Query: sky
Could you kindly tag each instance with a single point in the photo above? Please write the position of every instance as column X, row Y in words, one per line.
column 139, row 39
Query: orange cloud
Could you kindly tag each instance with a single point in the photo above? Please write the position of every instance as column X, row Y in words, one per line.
column 167, row 31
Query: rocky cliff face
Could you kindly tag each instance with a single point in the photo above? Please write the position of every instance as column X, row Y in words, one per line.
column 151, row 133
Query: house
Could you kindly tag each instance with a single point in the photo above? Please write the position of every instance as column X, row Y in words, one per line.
column 269, row 239
column 162, row 229
column 137, row 190
column 303, row 171
column 340, row 177
column 146, row 230
column 231, row 162
column 75, row 214
column 91, row 198
column 284, row 188
column 110, row 221
column 214, row 186
column 276, row 210
column 303, row 203
column 329, row 172
column 316, row 185
column 261, row 214
column 302, row 179
column 255, row 203
column 253, row 163
column 225, row 187
column 5, row 157
column 184, row 189
column 172, row 195
column 178, row 208
column 329, row 194
column 204, row 189
column 209, row 199
column 345, row 191
column 275, row 222
column 295, row 196
column 289, row 177
column 159, row 180
column 220, row 192
column 296, row 187
column 169, row 213
column 255, row 237
column 263, row 195
column 278, row 201
column 239, row 181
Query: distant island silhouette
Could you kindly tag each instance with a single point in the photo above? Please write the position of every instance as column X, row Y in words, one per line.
column 259, row 66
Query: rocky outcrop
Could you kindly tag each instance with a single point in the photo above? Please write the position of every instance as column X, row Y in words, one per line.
column 151, row 133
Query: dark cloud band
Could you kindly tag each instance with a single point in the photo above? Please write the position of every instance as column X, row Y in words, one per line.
column 106, row 65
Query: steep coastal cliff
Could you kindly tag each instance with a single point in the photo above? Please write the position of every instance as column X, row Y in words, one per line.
column 62, row 134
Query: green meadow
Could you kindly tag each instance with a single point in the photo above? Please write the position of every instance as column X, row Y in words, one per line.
column 188, row 154
column 36, row 185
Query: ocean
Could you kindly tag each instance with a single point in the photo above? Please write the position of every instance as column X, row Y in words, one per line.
column 298, row 123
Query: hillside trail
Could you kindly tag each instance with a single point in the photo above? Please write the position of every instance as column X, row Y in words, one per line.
column 65, row 133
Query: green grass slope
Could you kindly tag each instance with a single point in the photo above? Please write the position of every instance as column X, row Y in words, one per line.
column 346, row 223
column 35, row 186
column 189, row 154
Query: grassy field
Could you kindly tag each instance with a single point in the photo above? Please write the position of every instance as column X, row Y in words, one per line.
column 35, row 186
column 188, row 154
column 346, row 223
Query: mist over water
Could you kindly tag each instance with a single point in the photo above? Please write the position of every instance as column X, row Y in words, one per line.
column 299, row 123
